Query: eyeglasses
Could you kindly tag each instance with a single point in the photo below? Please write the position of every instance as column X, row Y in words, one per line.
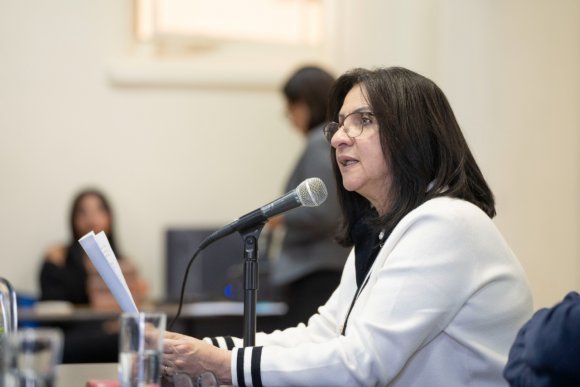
column 353, row 124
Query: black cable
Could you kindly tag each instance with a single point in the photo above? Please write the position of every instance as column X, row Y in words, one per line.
column 199, row 249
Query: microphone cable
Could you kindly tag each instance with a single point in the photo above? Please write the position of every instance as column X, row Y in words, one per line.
column 182, row 293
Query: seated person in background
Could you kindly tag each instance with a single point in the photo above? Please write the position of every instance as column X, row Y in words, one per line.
column 67, row 274
column 430, row 295
column 546, row 352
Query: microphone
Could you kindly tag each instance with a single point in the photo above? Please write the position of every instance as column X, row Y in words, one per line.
column 310, row 193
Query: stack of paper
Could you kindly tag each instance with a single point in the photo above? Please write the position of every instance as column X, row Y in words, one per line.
column 99, row 250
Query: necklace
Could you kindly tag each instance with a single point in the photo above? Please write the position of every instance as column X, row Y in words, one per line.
column 382, row 238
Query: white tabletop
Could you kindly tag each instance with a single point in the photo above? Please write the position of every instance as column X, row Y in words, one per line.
column 77, row 375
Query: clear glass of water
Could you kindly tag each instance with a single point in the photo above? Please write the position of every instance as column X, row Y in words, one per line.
column 31, row 356
column 141, row 349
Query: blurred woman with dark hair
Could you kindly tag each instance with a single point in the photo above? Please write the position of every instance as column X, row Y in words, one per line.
column 67, row 274
column 63, row 275
column 309, row 262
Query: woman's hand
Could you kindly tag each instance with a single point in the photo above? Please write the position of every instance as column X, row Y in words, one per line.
column 56, row 255
column 186, row 354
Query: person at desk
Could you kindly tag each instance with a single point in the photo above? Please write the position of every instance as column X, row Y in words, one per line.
column 309, row 263
column 431, row 294
column 67, row 274
column 546, row 352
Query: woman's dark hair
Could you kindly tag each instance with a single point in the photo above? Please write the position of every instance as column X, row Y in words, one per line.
column 76, row 207
column 310, row 85
column 421, row 140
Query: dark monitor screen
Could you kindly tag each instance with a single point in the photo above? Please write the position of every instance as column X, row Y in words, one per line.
column 214, row 273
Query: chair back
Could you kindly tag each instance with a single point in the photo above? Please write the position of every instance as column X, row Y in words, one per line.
column 8, row 307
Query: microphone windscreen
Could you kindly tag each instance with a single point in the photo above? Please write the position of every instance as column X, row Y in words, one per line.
column 312, row 192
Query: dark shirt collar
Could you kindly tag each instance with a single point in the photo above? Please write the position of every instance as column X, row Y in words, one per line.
column 367, row 245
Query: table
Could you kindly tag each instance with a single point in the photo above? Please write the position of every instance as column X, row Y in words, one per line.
column 85, row 342
column 194, row 310
column 77, row 375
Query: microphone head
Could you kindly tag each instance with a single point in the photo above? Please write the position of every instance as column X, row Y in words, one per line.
column 312, row 192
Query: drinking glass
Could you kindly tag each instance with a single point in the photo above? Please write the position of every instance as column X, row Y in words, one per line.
column 31, row 356
column 141, row 349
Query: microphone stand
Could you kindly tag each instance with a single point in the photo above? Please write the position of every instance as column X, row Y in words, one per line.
column 250, row 237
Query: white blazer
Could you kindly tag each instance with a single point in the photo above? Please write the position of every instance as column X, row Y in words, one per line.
column 442, row 305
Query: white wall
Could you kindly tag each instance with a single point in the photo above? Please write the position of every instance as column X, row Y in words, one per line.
column 186, row 155
column 167, row 156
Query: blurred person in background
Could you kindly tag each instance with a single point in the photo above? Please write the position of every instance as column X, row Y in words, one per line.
column 67, row 274
column 309, row 262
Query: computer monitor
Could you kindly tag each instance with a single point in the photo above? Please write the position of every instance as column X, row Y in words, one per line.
column 218, row 271
column 211, row 274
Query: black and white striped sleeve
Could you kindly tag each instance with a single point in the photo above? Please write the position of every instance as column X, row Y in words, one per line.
column 246, row 363
column 245, row 360
column 224, row 342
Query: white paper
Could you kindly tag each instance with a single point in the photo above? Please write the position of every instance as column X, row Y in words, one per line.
column 101, row 254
